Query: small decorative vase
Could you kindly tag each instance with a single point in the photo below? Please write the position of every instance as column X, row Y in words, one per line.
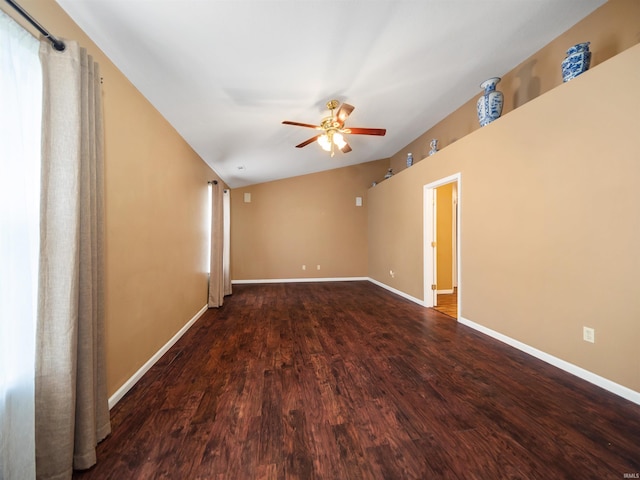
column 576, row 62
column 434, row 146
column 389, row 173
column 490, row 104
column 409, row 159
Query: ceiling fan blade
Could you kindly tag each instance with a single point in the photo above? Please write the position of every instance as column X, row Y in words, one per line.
column 298, row 124
column 307, row 142
column 346, row 148
column 366, row 131
column 343, row 112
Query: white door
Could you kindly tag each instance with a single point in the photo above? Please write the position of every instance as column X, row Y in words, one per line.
column 429, row 239
column 430, row 246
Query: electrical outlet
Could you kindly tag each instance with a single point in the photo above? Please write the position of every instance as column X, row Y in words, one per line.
column 317, row 267
column 392, row 273
column 304, row 267
column 588, row 334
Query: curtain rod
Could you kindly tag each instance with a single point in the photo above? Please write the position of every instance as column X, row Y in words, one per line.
column 215, row 182
column 57, row 44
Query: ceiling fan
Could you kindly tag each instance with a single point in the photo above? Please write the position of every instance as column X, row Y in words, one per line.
column 333, row 129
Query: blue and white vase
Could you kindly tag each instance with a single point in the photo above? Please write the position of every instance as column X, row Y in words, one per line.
column 434, row 146
column 576, row 62
column 490, row 104
column 409, row 159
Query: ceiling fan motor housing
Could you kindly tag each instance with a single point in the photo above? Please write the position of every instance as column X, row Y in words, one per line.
column 330, row 123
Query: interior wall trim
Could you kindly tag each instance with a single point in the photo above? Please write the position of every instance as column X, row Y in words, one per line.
column 398, row 292
column 295, row 280
column 128, row 385
column 579, row 372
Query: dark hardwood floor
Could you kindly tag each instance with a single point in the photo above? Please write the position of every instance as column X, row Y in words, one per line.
column 349, row 381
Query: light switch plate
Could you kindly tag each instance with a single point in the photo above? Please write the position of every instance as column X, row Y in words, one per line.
column 588, row 334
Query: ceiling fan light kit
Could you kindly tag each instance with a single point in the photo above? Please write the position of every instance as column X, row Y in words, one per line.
column 333, row 129
column 327, row 140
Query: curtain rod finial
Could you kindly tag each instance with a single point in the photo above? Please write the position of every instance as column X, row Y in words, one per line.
column 58, row 45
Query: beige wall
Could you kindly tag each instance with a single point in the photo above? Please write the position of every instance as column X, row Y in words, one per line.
column 307, row 220
column 611, row 29
column 549, row 223
column 156, row 194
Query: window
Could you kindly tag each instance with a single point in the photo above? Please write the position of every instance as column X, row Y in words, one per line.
column 20, row 125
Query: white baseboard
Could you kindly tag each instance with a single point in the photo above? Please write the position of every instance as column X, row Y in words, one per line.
column 579, row 372
column 294, row 280
column 116, row 397
column 397, row 292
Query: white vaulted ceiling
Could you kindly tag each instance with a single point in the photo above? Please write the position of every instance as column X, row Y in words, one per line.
column 225, row 73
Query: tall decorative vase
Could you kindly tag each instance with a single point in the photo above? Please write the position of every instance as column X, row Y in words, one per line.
column 434, row 146
column 576, row 62
column 409, row 159
column 490, row 104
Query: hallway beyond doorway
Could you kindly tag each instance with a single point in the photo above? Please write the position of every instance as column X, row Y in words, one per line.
column 448, row 303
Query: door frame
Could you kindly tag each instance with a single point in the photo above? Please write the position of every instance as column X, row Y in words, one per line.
column 429, row 218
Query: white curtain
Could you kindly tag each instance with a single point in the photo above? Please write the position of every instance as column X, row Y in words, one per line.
column 72, row 413
column 20, row 120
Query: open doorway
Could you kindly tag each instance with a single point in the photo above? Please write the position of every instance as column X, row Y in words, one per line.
column 441, row 245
